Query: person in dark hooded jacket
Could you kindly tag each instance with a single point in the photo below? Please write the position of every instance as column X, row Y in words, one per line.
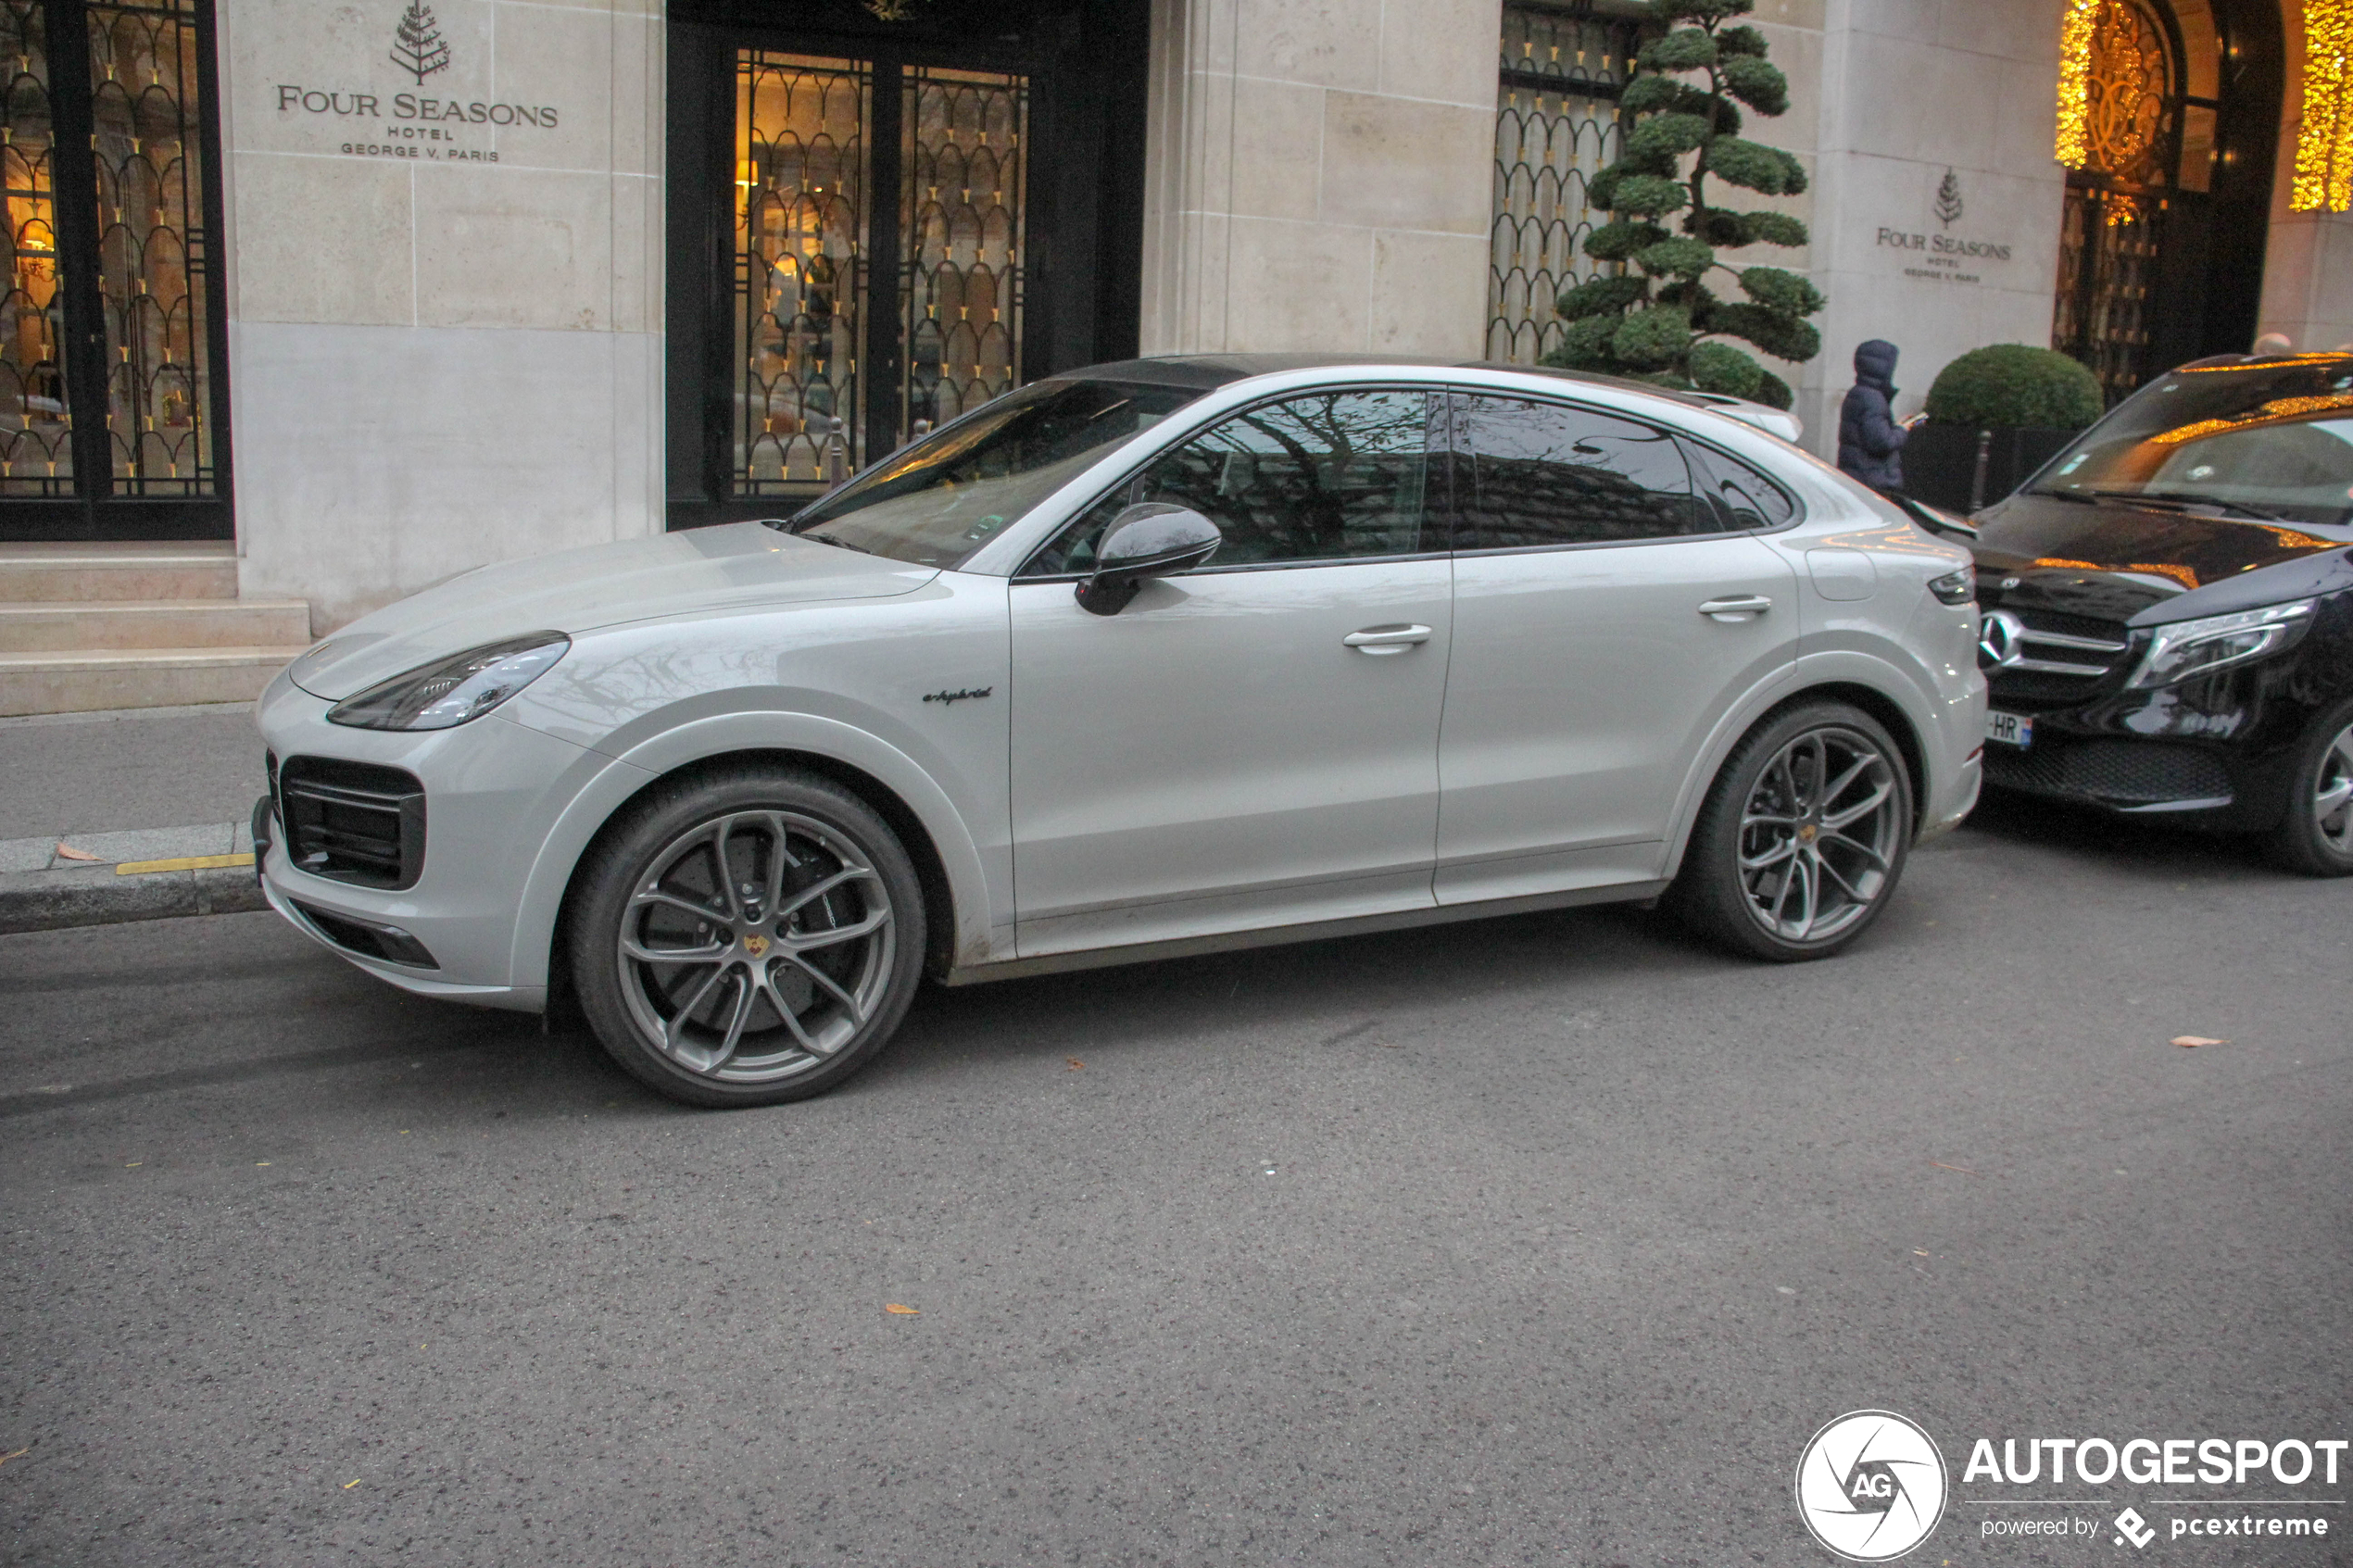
column 1870, row 444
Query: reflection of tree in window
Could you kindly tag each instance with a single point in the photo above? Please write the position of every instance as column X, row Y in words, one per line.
column 1546, row 474
column 1334, row 476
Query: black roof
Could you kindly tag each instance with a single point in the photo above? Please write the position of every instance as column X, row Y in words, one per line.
column 1205, row 373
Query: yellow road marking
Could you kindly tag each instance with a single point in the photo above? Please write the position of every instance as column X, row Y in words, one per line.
column 185, row 863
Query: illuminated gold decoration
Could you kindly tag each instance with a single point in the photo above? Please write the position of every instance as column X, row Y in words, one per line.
column 2279, row 410
column 2115, row 71
column 2075, row 81
column 2325, row 145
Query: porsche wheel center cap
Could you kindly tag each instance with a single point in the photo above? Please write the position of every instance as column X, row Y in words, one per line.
column 755, row 945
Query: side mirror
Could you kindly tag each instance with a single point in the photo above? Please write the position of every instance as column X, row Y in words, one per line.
column 1151, row 539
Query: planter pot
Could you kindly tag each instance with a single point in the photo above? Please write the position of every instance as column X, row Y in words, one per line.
column 1941, row 462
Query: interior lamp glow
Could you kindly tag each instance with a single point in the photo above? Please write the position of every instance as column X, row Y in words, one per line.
column 2325, row 142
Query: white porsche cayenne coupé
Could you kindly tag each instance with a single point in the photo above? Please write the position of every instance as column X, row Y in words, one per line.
column 1152, row 658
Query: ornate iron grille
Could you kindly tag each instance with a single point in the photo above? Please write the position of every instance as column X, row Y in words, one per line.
column 965, row 155
column 147, row 143
column 1556, row 126
column 36, row 446
column 802, row 129
column 2113, row 224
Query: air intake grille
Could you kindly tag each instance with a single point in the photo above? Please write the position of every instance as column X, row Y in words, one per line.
column 353, row 821
column 2119, row 772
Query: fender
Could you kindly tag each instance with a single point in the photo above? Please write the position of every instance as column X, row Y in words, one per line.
column 767, row 730
column 1843, row 667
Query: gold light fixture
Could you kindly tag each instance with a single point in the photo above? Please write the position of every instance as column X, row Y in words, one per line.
column 2325, row 143
column 2077, row 30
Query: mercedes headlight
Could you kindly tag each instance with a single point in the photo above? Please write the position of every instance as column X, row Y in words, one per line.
column 2193, row 647
column 448, row 692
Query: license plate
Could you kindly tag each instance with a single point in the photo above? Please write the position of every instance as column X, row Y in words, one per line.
column 2010, row 729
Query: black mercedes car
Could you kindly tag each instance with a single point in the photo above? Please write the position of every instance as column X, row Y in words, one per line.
column 2168, row 610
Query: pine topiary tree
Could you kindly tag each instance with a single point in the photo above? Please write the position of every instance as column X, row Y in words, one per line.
column 1657, row 319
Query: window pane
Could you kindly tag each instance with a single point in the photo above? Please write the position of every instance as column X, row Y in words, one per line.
column 1333, row 476
column 36, row 445
column 146, row 112
column 1745, row 497
column 800, row 254
column 965, row 148
column 938, row 501
column 1544, row 473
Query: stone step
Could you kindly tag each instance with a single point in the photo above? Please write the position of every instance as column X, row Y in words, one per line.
column 52, row 573
column 86, row 681
column 58, row 626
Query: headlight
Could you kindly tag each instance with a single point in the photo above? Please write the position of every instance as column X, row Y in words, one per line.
column 1955, row 587
column 447, row 693
column 2193, row 647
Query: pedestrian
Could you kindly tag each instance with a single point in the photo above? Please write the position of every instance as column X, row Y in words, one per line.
column 1871, row 441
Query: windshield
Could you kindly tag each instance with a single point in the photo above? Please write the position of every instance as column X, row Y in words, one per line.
column 2269, row 441
column 939, row 501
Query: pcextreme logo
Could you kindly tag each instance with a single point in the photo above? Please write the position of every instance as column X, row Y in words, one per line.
column 1871, row 1486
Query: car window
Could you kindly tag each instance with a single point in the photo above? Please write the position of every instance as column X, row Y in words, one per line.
column 937, row 501
column 1326, row 476
column 1745, row 497
column 1547, row 473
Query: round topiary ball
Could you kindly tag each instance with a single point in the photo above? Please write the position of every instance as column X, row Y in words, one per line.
column 2009, row 386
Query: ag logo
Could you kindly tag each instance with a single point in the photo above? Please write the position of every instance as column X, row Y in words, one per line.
column 1870, row 1485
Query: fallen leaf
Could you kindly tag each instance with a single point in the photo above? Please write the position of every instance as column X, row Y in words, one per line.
column 2191, row 1042
column 68, row 852
column 1076, row 1064
column 894, row 1307
column 1962, row 1169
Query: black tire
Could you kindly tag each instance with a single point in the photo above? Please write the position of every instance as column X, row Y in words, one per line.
column 2320, row 799
column 760, row 1007
column 1746, row 875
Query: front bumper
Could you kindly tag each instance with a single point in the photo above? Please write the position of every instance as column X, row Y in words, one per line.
column 493, row 788
column 2215, row 752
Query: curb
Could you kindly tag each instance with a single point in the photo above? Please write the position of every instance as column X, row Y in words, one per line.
column 97, row 895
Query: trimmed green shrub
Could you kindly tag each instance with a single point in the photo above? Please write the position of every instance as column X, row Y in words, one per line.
column 1659, row 321
column 2009, row 386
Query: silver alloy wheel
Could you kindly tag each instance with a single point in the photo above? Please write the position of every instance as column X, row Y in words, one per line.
column 1819, row 833
column 755, row 945
column 2333, row 794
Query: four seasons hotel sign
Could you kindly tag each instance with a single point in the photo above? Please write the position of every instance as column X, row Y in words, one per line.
column 424, row 122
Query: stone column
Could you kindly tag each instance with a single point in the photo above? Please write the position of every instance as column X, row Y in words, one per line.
column 1319, row 175
column 446, row 309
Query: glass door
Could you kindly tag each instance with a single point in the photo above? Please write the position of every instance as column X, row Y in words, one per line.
column 111, row 328
column 878, row 258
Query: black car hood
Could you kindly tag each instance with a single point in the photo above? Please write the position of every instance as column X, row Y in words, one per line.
column 2119, row 563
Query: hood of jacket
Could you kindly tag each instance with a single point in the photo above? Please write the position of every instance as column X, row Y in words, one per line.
column 1875, row 362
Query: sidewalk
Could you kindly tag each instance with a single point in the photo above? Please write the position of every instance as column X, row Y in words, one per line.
column 158, row 799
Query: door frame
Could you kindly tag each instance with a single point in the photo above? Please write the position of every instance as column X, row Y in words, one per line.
column 1083, row 224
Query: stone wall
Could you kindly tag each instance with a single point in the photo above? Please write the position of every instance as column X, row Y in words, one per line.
column 444, row 299
column 1908, row 92
column 1319, row 175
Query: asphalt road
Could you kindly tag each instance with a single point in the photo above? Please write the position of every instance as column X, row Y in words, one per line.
column 1547, row 1240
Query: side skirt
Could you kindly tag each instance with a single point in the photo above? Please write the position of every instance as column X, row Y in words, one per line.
column 1313, row 931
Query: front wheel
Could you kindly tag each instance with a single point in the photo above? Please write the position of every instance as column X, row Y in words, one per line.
column 1803, row 837
column 2315, row 837
column 747, row 937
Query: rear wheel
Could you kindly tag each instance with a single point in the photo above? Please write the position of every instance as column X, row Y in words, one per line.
column 747, row 937
column 1802, row 838
column 2315, row 837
